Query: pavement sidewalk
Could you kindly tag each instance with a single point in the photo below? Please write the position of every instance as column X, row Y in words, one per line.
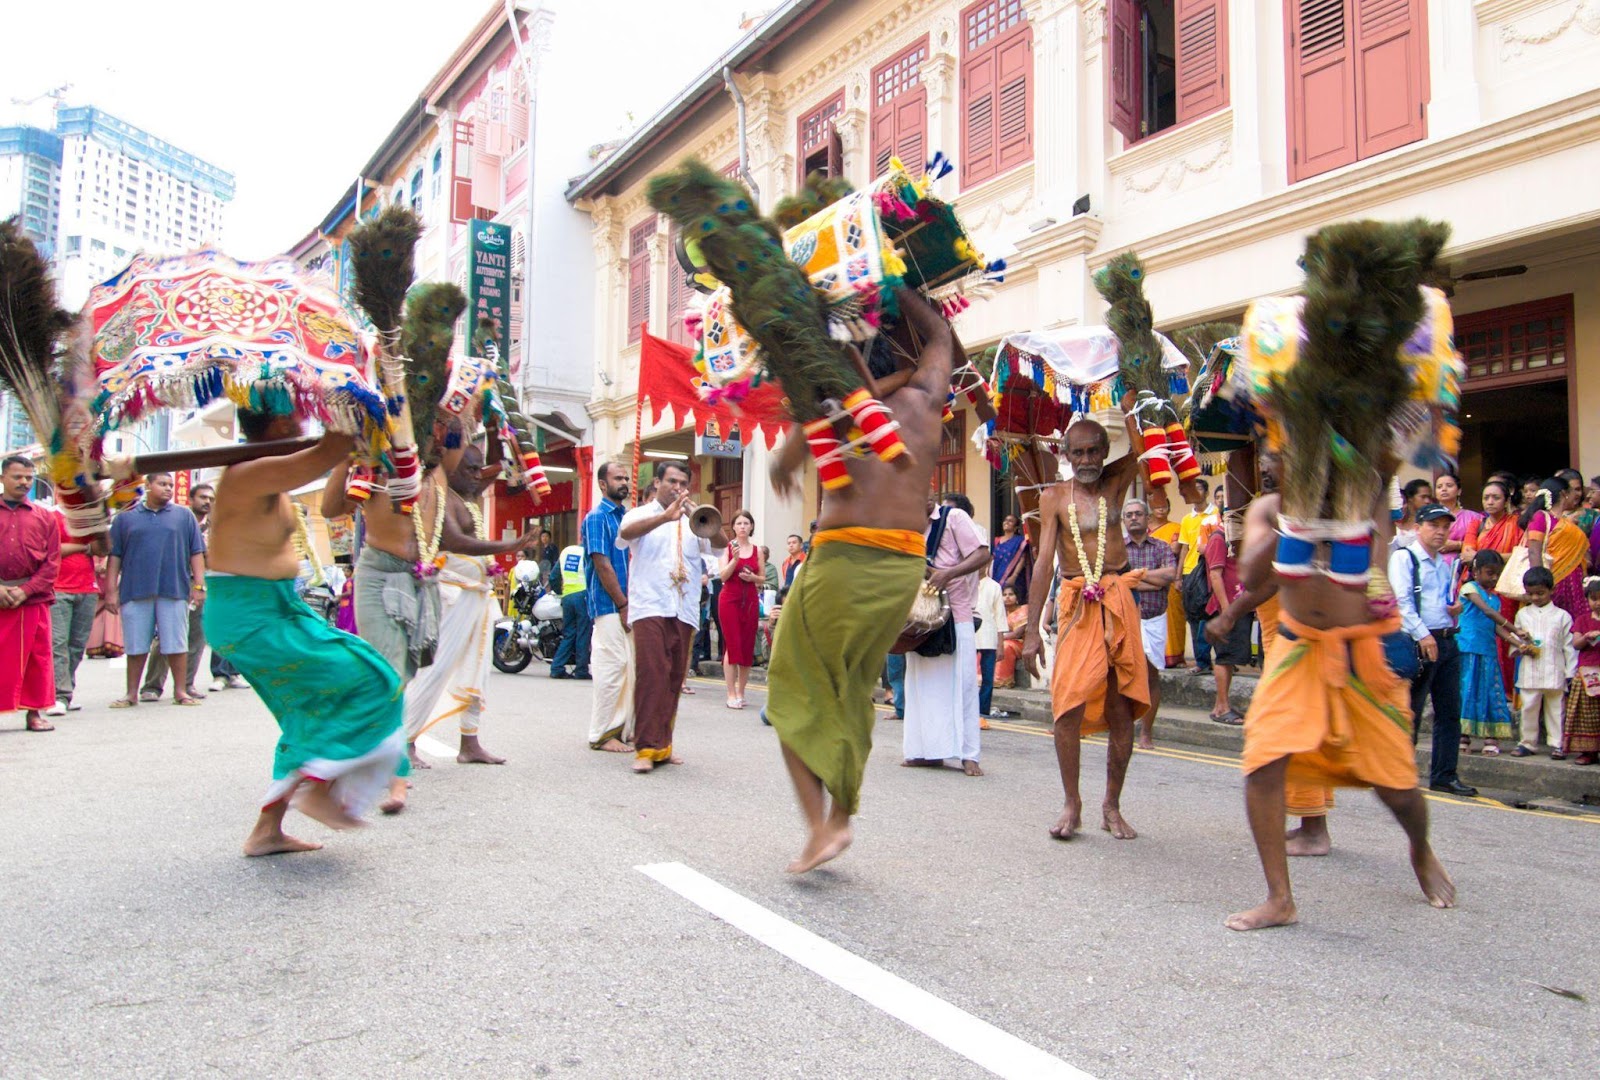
column 1185, row 720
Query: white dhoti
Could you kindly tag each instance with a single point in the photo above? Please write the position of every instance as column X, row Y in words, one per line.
column 1153, row 632
column 942, row 702
column 611, row 664
column 453, row 685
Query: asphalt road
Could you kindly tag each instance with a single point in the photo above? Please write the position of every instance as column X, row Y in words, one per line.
column 500, row 926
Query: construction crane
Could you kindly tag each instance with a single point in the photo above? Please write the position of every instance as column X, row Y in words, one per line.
column 58, row 93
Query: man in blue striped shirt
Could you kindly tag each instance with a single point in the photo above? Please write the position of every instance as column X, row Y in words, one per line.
column 611, row 642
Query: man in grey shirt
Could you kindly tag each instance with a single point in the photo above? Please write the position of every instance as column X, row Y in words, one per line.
column 157, row 571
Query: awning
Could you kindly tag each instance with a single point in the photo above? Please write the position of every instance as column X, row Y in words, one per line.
column 667, row 378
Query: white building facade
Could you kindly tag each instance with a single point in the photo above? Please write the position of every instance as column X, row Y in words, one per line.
column 1208, row 135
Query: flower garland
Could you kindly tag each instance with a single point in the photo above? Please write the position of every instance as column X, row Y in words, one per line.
column 429, row 560
column 480, row 529
column 1092, row 589
column 304, row 549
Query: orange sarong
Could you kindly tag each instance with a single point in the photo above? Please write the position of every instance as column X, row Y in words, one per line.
column 1099, row 639
column 1330, row 704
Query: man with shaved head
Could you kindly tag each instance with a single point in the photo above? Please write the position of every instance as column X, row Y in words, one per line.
column 1099, row 681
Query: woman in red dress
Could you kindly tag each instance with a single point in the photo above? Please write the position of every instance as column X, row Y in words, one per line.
column 739, row 606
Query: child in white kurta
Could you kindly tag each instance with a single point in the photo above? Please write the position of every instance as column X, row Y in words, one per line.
column 1545, row 666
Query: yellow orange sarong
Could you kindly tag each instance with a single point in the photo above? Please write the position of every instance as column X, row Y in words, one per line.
column 1099, row 639
column 1330, row 704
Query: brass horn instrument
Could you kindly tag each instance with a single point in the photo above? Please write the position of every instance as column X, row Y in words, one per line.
column 705, row 522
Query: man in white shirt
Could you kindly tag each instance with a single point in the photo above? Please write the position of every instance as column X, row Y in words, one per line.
column 663, row 608
column 990, row 611
column 1422, row 580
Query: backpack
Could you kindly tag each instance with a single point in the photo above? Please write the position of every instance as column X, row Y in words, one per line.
column 1196, row 591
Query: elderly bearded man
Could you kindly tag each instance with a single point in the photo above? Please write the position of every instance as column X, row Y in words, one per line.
column 1100, row 680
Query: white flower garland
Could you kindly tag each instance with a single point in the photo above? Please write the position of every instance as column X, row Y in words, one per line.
column 1091, row 581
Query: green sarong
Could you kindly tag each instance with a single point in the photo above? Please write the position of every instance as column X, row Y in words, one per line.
column 848, row 604
column 338, row 704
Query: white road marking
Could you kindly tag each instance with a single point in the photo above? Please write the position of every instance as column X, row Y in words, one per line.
column 976, row 1040
column 433, row 746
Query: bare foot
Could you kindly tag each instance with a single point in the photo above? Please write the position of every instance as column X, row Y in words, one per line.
column 1112, row 822
column 922, row 763
column 823, row 845
column 473, row 753
column 674, row 760
column 971, row 768
column 1436, row 884
column 1070, row 821
column 615, row 746
column 417, row 760
column 642, row 765
column 316, row 802
column 1272, row 913
column 1298, row 842
column 396, row 801
column 276, row 842
column 1146, row 743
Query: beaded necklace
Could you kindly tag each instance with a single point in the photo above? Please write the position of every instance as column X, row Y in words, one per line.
column 428, row 558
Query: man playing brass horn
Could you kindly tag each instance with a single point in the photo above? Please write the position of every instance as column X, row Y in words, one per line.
column 663, row 607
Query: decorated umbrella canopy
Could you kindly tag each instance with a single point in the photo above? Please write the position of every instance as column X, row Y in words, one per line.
column 182, row 331
column 1041, row 379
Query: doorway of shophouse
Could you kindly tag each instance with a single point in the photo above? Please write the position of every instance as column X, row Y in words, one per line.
column 1517, row 402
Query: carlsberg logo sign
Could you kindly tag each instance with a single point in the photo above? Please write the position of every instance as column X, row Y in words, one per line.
column 488, row 236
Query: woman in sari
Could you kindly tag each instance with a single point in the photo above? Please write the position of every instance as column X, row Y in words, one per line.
column 105, row 636
column 1013, row 557
column 1447, row 488
column 1005, row 668
column 1547, row 531
column 1500, row 532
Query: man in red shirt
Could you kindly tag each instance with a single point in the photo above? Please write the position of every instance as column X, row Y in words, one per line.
column 1222, row 568
column 72, row 614
column 30, row 558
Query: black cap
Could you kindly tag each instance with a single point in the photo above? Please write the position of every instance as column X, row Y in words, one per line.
column 1434, row 512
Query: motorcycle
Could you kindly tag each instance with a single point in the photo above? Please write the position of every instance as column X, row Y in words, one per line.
column 534, row 634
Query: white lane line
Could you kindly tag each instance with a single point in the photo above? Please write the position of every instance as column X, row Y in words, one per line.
column 433, row 746
column 976, row 1040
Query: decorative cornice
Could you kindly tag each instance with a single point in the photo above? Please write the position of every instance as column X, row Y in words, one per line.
column 1543, row 28
column 1494, row 11
column 1074, row 237
column 985, row 206
column 1356, row 189
column 1094, row 24
column 836, row 64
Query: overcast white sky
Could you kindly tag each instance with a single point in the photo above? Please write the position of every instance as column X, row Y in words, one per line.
column 293, row 96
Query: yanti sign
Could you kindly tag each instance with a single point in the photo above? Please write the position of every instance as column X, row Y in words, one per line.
column 489, row 281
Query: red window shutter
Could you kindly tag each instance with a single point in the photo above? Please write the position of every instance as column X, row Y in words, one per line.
column 1014, row 73
column 911, row 129
column 1321, row 82
column 883, row 138
column 978, row 118
column 1391, row 74
column 461, row 175
column 1202, row 57
column 1124, row 89
column 678, row 291
column 639, row 278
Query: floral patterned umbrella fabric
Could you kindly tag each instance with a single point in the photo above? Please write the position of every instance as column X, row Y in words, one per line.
column 181, row 331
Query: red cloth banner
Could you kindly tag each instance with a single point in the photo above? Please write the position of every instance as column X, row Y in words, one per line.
column 667, row 377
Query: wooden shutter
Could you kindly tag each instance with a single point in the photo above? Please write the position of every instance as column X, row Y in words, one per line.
column 911, row 129
column 1124, row 87
column 639, row 277
column 1391, row 82
column 978, row 118
column 461, row 175
column 899, row 122
column 1013, row 73
column 1202, row 57
column 1322, row 113
column 678, row 293
column 996, row 105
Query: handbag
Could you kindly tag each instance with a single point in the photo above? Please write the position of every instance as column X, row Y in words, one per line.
column 1510, row 583
column 1400, row 650
column 930, row 611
